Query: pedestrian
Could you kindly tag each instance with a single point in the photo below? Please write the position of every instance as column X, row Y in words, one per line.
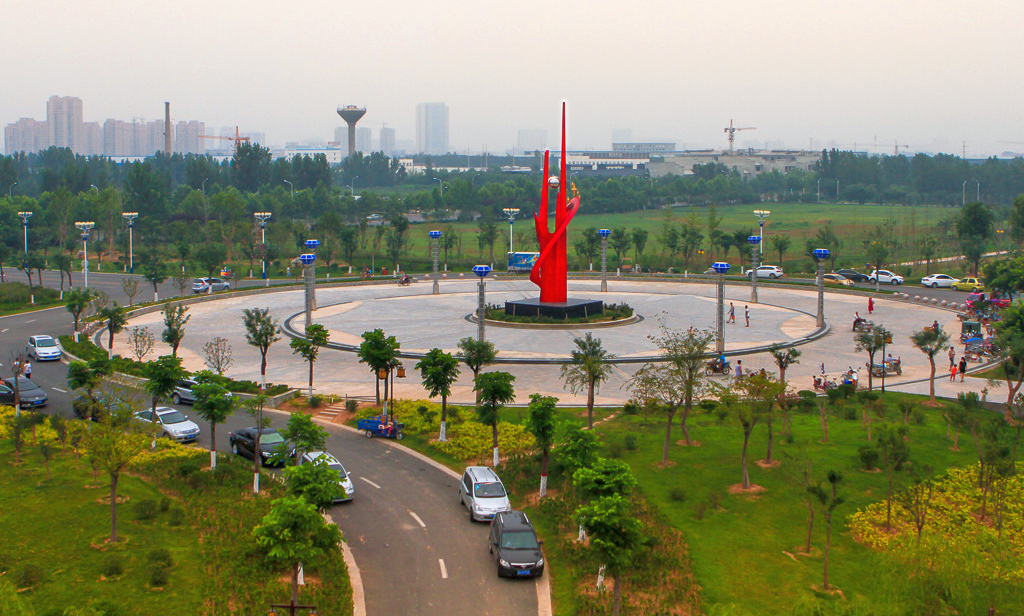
column 739, row 368
column 732, row 314
column 935, row 326
column 871, row 305
column 952, row 372
column 952, row 357
column 27, row 369
column 963, row 368
column 746, row 314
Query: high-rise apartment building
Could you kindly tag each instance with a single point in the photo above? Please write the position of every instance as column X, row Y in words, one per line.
column 26, row 135
column 91, row 139
column 186, row 137
column 387, row 140
column 64, row 119
column 364, row 139
column 340, row 134
column 432, row 128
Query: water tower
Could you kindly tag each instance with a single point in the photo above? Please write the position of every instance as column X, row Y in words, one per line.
column 351, row 114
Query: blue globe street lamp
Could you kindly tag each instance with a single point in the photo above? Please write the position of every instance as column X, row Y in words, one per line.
column 820, row 255
column 720, row 268
column 435, row 236
column 312, row 245
column 481, row 271
column 755, row 241
column 604, row 233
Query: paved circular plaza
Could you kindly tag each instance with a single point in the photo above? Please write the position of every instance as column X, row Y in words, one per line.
column 421, row 321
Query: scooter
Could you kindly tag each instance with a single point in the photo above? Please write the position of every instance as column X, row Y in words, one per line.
column 713, row 368
column 851, row 377
column 824, row 383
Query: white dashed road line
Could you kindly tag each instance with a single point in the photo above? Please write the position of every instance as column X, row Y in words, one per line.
column 370, row 482
column 418, row 520
column 444, row 570
column 5, row 330
column 63, row 391
column 31, row 321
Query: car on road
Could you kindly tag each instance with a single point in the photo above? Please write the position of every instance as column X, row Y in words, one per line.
column 514, row 545
column 885, row 277
column 202, row 285
column 346, row 489
column 30, row 393
column 837, row 279
column 976, row 301
column 936, row 281
column 768, row 271
column 482, row 493
column 853, row 275
column 974, row 285
column 43, row 348
column 183, row 392
column 243, row 443
column 172, row 423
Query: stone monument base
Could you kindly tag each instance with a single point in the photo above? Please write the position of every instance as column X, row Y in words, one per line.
column 569, row 309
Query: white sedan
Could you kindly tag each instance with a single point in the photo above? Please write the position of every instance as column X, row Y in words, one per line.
column 767, row 271
column 885, row 277
column 938, row 280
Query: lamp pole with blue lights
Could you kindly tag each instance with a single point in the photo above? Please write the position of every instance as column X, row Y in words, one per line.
column 262, row 217
column 481, row 311
column 311, row 246
column 820, row 254
column 435, row 235
column 755, row 241
column 720, row 268
column 604, row 233
column 307, row 260
column 130, row 218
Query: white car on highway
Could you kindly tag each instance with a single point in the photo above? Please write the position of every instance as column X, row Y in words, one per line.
column 768, row 271
column 885, row 277
column 43, row 348
column 938, row 280
column 170, row 423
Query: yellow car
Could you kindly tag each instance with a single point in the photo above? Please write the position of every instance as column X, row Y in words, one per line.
column 974, row 285
column 837, row 279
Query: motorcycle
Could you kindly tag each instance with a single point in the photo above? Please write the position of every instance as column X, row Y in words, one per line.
column 863, row 325
column 713, row 368
column 851, row 377
column 824, row 383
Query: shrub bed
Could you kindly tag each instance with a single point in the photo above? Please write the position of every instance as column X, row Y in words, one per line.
column 612, row 312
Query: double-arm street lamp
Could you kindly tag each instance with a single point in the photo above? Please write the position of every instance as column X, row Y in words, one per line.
column 262, row 217
column 511, row 213
column 761, row 215
column 24, row 223
column 85, row 227
column 130, row 218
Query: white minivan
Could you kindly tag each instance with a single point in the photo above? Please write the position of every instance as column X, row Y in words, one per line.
column 483, row 494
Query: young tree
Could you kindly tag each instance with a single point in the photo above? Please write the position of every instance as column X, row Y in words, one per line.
column 77, row 302
column 541, row 424
column 155, row 273
column 294, row 534
column 749, row 400
column 217, row 355
column 309, row 347
column 1010, row 342
column 181, row 282
column 380, row 352
column 588, row 367
column 130, row 287
column 893, row 452
column 494, row 391
column 213, row 403
column 780, row 244
column 112, row 444
column 476, row 354
column 141, row 341
column 615, row 534
column 917, row 498
column 260, row 332
column 162, row 374
column 439, row 371
column 175, row 318
column 304, row 434
column 318, row 483
column 116, row 320
column 254, row 407
column 828, row 500
column 871, row 342
column 931, row 343
column 784, row 358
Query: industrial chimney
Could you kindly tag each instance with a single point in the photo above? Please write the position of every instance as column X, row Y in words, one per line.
column 167, row 128
column 351, row 114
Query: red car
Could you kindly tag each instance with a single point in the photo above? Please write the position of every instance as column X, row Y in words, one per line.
column 976, row 300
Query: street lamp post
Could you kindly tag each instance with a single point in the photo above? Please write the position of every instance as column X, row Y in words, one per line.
column 720, row 268
column 10, row 191
column 307, row 260
column 511, row 213
column 311, row 246
column 754, row 241
column 481, row 311
column 819, row 190
column 435, row 235
column 963, row 194
column 820, row 254
column 977, row 196
column 761, row 215
column 292, row 187
column 604, row 233
column 262, row 217
column 24, row 223
column 837, row 190
column 999, row 234
column 85, row 227
column 441, row 184
column 353, row 186
column 130, row 217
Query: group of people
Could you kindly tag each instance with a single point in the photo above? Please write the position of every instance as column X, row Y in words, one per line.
column 955, row 366
column 732, row 314
column 24, row 368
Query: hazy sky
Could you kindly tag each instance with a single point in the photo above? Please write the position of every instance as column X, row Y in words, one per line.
column 931, row 74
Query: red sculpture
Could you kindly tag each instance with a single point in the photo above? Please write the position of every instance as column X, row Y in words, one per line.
column 550, row 273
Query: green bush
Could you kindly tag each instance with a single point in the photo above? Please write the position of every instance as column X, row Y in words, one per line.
column 112, row 566
column 676, row 494
column 630, row 408
column 14, row 295
column 699, row 509
column 630, row 442
column 868, row 456
column 849, row 411
column 165, row 504
column 107, row 608
column 315, row 401
column 28, row 576
column 158, row 576
column 160, row 557
column 351, row 406
column 919, row 417
column 176, row 516
column 145, row 509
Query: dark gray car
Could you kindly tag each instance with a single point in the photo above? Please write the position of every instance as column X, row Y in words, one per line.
column 514, row 545
column 30, row 393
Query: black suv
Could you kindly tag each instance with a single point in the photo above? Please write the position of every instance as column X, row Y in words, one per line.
column 853, row 275
column 515, row 546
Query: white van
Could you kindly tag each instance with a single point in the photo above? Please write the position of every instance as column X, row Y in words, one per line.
column 483, row 494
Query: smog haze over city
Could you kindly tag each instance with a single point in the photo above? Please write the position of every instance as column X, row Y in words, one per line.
column 938, row 76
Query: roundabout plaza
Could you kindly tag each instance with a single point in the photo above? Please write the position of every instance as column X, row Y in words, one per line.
column 421, row 320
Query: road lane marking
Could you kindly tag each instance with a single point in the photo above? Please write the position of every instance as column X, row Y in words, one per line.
column 59, row 389
column 370, row 482
column 31, row 321
column 5, row 330
column 418, row 520
column 444, row 570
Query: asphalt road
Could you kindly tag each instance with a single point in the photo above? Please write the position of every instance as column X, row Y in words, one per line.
column 416, row 549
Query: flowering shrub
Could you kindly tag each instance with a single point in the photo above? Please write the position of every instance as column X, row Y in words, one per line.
column 40, row 433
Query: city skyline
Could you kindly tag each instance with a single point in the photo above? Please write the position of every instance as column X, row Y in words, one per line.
column 870, row 75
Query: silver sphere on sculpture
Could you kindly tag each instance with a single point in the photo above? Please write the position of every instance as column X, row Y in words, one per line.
column 553, row 182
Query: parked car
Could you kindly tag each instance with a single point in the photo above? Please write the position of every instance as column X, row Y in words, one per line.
column 885, row 277
column 183, row 392
column 975, row 301
column 837, row 279
column 768, row 271
column 30, row 393
column 853, row 275
column 346, row 489
column 243, row 443
column 970, row 283
column 514, row 545
column 95, row 408
column 482, row 493
column 938, row 280
column 43, row 348
column 172, row 423
column 202, row 285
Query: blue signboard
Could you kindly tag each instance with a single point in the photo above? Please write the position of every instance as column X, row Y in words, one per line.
column 522, row 261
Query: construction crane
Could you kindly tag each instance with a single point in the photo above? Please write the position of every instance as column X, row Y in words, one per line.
column 731, row 130
column 238, row 139
column 896, row 145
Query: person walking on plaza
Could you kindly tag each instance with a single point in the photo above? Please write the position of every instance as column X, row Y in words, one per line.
column 952, row 372
column 871, row 305
column 732, row 314
column 952, row 357
column 746, row 314
column 739, row 368
column 963, row 367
